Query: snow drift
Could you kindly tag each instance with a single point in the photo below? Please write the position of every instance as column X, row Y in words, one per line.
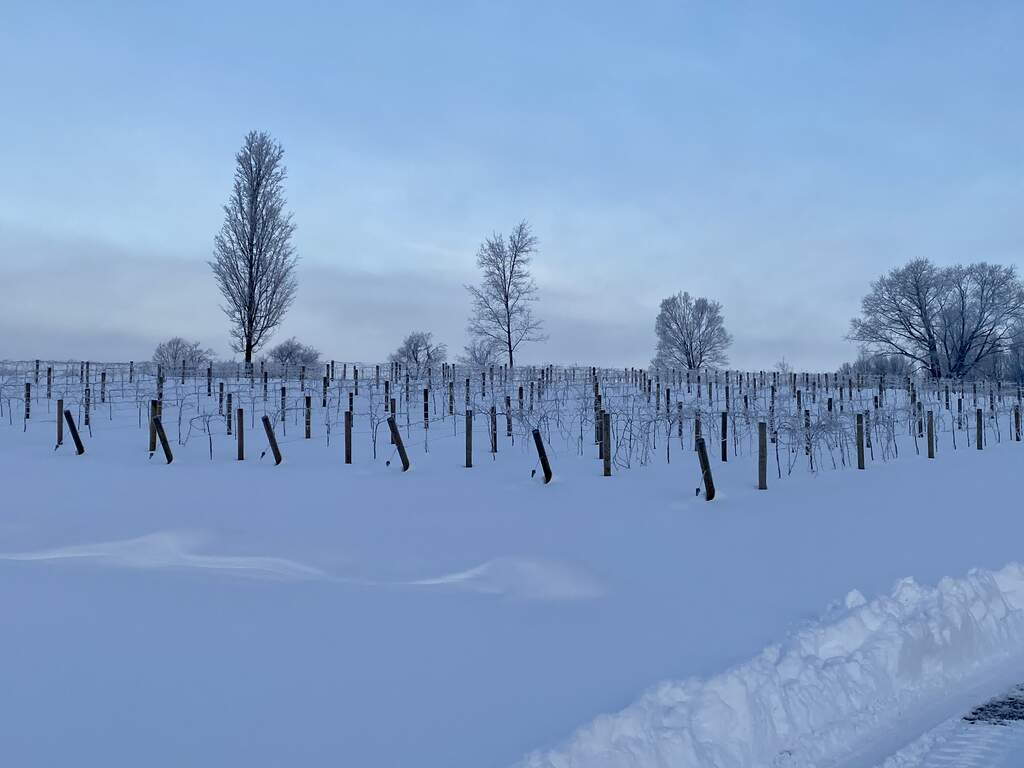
column 820, row 694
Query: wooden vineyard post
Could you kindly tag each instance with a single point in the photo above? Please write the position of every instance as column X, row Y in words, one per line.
column 284, row 404
column 49, row 382
column 396, row 436
column 28, row 401
column 227, row 415
column 154, row 406
column 979, row 432
column 494, row 429
column 543, row 456
column 762, row 456
column 309, row 416
column 606, row 442
column 79, row 448
column 469, row 439
column 725, row 439
column 1016, row 423
column 240, row 432
column 163, row 439
column 931, row 435
column 705, row 470
column 60, row 421
column 220, row 398
column 348, row 437
column 508, row 416
column 269, row 429
column 860, row 441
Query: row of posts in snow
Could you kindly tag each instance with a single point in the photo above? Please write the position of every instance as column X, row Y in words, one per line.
column 632, row 414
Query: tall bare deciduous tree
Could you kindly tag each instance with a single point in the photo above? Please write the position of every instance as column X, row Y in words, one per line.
column 503, row 301
column 691, row 333
column 949, row 321
column 254, row 261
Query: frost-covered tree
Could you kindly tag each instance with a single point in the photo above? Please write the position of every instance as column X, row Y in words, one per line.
column 503, row 302
column 174, row 352
column 419, row 352
column 691, row 333
column 949, row 321
column 291, row 352
column 480, row 353
column 253, row 257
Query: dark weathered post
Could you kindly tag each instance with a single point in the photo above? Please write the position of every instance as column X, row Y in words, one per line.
column 49, row 383
column 309, row 416
column 163, row 439
column 240, row 431
column 469, row 439
column 705, row 470
column 1016, row 423
column 494, row 429
column 269, row 429
column 153, row 413
column 79, row 448
column 762, row 456
column 220, row 398
column 725, row 439
column 979, row 432
column 606, row 442
column 931, row 435
column 227, row 415
column 396, row 436
column 542, row 455
column 348, row 437
column 28, row 401
column 860, row 441
column 284, row 404
column 508, row 416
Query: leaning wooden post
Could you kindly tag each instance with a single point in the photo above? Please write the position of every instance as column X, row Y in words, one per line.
column 396, row 436
column 705, row 469
column 153, row 413
column 348, row 437
column 163, row 439
column 79, row 448
column 979, row 432
column 240, row 432
column 469, row 438
column 60, row 421
column 542, row 455
column 931, row 435
column 606, row 442
column 762, row 456
column 860, row 441
column 269, row 429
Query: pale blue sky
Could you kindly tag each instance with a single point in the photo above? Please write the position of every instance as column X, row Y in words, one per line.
column 776, row 156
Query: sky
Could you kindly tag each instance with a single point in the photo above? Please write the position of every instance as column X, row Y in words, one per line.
column 775, row 157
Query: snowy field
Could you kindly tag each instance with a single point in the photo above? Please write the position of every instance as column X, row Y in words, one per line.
column 217, row 612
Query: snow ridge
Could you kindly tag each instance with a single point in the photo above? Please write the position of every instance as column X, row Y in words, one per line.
column 820, row 694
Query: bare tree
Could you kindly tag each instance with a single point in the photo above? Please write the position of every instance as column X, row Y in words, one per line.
column 902, row 312
column 480, row 353
column 254, row 261
column 292, row 352
column 948, row 321
column 419, row 352
column 982, row 307
column 691, row 333
column 503, row 302
column 176, row 351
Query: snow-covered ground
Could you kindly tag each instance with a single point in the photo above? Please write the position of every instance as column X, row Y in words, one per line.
column 238, row 613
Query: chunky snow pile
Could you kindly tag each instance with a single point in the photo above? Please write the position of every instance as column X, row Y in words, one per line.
column 821, row 693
